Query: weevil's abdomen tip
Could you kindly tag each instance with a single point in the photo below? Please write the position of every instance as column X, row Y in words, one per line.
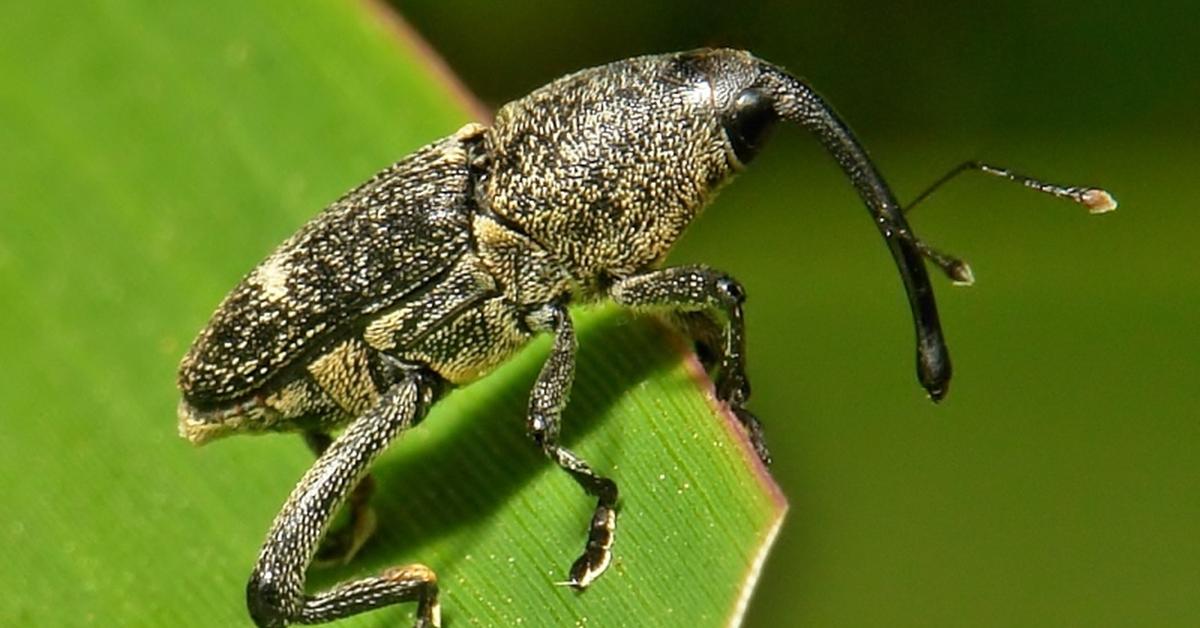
column 200, row 427
column 191, row 426
column 937, row 392
column 197, row 428
column 1098, row 201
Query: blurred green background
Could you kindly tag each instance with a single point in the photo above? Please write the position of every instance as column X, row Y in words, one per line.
column 1056, row 484
column 1059, row 482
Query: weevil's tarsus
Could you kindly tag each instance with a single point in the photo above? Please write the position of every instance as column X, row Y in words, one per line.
column 754, row 432
column 275, row 594
column 597, row 553
column 796, row 102
column 546, row 404
column 701, row 290
column 394, row 585
column 1096, row 200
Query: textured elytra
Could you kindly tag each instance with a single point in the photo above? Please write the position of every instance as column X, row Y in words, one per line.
column 377, row 244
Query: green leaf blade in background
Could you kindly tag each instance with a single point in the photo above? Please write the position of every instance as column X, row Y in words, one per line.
column 152, row 153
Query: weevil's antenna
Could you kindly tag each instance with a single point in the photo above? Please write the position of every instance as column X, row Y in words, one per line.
column 797, row 102
column 1096, row 200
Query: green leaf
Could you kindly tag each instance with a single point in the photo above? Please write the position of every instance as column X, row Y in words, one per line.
column 153, row 152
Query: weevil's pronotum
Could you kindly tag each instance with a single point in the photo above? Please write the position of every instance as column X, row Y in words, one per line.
column 443, row 265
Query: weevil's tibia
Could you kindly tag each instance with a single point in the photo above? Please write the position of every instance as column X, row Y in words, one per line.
column 797, row 102
column 546, row 404
column 699, row 288
column 342, row 544
column 1096, row 200
column 275, row 594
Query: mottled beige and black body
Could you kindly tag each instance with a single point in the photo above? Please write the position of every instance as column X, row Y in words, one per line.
column 442, row 266
column 436, row 260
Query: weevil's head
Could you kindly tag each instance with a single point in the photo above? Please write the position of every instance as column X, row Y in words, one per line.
column 748, row 97
column 738, row 97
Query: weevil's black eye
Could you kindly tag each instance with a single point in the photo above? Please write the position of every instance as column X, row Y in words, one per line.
column 749, row 122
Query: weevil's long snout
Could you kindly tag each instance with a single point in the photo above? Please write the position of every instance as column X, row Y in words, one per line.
column 797, row 102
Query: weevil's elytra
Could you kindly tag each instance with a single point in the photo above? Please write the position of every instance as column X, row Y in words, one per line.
column 440, row 267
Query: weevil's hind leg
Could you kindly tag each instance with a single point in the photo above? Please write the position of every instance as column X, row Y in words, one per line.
column 546, row 403
column 698, row 289
column 342, row 544
column 275, row 594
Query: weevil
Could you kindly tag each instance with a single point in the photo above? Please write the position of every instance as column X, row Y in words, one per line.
column 443, row 265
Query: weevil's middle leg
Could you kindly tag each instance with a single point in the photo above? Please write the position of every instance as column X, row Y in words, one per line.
column 342, row 544
column 275, row 594
column 546, row 404
column 690, row 290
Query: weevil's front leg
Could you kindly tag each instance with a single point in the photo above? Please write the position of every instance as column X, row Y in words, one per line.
column 275, row 594
column 343, row 543
column 546, row 403
column 707, row 334
column 699, row 289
